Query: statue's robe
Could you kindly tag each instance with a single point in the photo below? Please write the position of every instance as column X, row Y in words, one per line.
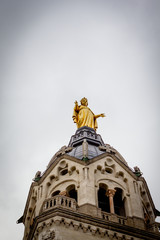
column 83, row 116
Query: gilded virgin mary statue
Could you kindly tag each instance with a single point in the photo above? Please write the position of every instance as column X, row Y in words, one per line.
column 83, row 116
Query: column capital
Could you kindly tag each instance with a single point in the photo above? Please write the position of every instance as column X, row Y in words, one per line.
column 63, row 193
column 110, row 192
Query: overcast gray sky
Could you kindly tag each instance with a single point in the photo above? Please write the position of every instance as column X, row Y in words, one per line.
column 56, row 52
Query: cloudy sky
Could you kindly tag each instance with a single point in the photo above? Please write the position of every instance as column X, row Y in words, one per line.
column 56, row 52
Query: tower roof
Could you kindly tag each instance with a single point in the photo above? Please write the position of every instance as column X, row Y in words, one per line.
column 91, row 138
column 86, row 144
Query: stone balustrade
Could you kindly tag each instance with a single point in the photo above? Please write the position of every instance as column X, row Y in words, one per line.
column 155, row 227
column 59, row 201
column 129, row 221
column 115, row 218
column 71, row 204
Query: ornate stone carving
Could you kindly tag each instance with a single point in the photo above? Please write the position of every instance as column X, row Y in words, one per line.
column 111, row 192
column 37, row 176
column 63, row 150
column 49, row 235
column 137, row 171
column 63, row 193
column 107, row 148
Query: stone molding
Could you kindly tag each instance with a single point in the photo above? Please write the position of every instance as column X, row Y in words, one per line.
column 77, row 226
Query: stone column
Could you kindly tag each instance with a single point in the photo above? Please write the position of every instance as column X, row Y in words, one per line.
column 110, row 193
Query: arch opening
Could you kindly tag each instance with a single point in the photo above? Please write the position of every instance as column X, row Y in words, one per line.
column 55, row 193
column 103, row 200
column 119, row 203
column 72, row 192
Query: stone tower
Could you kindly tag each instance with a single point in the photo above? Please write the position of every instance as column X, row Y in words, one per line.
column 88, row 191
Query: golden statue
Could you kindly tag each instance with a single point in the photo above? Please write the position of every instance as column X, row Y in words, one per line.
column 83, row 116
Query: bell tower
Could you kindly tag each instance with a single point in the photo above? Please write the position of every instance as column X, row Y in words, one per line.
column 88, row 191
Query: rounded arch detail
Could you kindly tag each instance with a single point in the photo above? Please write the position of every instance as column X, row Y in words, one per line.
column 111, row 184
column 67, row 183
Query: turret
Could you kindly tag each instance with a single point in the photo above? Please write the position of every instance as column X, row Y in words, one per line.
column 89, row 191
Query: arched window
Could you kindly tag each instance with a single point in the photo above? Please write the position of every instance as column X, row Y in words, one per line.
column 103, row 200
column 55, row 193
column 119, row 203
column 72, row 192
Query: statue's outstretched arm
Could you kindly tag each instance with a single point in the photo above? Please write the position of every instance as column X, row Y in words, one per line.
column 99, row 115
column 76, row 107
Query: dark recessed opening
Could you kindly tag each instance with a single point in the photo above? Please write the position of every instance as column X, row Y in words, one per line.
column 119, row 203
column 71, row 191
column 103, row 200
column 64, row 172
column 55, row 193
